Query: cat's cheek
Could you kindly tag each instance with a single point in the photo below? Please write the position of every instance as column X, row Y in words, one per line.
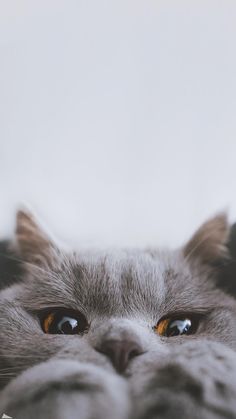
column 74, row 348
column 61, row 389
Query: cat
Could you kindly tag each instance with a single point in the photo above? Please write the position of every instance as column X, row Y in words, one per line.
column 118, row 334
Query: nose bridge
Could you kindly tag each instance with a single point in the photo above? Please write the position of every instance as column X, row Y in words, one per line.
column 119, row 329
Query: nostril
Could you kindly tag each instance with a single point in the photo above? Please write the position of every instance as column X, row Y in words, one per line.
column 120, row 352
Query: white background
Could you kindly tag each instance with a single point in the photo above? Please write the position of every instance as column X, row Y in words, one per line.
column 118, row 117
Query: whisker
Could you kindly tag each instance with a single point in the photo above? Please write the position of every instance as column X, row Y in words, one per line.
column 22, row 356
column 11, row 374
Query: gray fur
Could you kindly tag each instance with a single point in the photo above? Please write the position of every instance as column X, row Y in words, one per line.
column 122, row 294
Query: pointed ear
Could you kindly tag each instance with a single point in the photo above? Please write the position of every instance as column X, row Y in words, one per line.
column 209, row 243
column 227, row 277
column 33, row 243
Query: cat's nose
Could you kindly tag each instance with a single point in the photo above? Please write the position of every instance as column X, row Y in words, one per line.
column 120, row 352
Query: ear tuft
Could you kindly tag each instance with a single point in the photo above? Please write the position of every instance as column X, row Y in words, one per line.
column 209, row 243
column 33, row 243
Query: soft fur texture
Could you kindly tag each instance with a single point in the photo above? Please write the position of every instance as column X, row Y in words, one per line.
column 123, row 294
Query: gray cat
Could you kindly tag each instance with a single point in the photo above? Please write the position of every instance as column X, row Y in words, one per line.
column 126, row 334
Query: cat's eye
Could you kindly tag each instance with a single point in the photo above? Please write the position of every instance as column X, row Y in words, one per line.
column 183, row 325
column 67, row 322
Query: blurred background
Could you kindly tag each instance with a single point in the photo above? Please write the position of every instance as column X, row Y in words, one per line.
column 117, row 117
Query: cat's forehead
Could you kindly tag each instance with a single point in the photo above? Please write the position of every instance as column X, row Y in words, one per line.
column 131, row 262
column 93, row 278
column 125, row 256
column 152, row 270
column 118, row 282
column 141, row 280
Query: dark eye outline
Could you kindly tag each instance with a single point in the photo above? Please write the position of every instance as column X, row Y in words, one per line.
column 55, row 315
column 165, row 321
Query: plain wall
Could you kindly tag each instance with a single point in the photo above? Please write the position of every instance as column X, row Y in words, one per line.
column 118, row 117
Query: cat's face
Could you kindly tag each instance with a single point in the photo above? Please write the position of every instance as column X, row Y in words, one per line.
column 122, row 310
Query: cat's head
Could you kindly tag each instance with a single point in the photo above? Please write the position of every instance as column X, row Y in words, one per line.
column 119, row 309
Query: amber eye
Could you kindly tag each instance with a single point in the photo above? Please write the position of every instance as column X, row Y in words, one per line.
column 67, row 322
column 176, row 326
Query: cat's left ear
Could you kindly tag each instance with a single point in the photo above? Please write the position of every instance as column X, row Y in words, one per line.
column 209, row 244
column 33, row 243
column 214, row 244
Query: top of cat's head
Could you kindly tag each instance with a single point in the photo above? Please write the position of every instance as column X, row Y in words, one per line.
column 208, row 245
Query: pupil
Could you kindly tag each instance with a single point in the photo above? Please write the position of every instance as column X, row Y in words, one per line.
column 179, row 327
column 67, row 325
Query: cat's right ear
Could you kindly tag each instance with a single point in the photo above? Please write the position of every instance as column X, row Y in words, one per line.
column 33, row 244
